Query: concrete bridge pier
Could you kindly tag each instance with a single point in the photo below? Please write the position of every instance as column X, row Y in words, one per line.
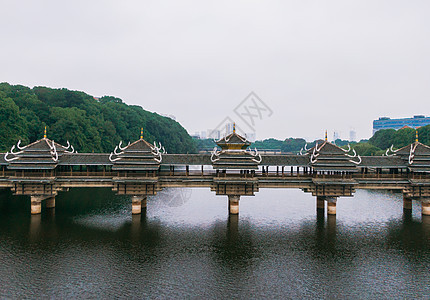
column 407, row 203
column 36, row 203
column 320, row 203
column 137, row 203
column 233, row 204
column 425, row 206
column 331, row 205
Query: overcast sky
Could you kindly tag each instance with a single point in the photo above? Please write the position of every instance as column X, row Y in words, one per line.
column 318, row 65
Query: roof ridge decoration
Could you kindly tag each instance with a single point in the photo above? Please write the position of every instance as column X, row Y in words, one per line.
column 305, row 149
column 390, row 151
column 50, row 143
column 235, row 153
column 256, row 156
column 153, row 149
column 316, row 153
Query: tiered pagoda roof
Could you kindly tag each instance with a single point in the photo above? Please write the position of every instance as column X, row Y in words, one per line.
column 42, row 154
column 416, row 156
column 138, row 156
column 329, row 157
column 234, row 153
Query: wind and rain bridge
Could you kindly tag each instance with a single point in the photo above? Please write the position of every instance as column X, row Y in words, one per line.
column 140, row 169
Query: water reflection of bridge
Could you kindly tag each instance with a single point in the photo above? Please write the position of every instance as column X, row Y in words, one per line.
column 140, row 169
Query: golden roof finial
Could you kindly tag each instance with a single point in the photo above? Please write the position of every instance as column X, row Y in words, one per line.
column 141, row 133
column 416, row 135
column 44, row 133
column 234, row 127
column 326, row 135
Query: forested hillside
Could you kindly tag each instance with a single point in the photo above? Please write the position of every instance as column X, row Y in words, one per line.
column 89, row 124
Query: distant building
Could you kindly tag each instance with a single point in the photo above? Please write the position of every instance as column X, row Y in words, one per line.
column 352, row 135
column 228, row 128
column 336, row 135
column 213, row 134
column 388, row 123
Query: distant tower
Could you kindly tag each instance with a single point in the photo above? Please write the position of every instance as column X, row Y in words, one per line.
column 336, row 135
column 352, row 135
column 229, row 128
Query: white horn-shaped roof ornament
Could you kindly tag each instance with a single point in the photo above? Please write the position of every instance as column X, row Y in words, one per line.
column 315, row 149
column 214, row 154
column 11, row 159
column 14, row 153
column 411, row 155
column 347, row 150
column 112, row 160
column 313, row 160
column 54, row 151
column 116, row 153
column 19, row 145
column 119, row 146
column 301, row 151
column 68, row 145
column 259, row 157
column 164, row 150
column 73, row 150
column 356, row 162
column 159, row 158
column 352, row 156
column 389, row 150
column 306, row 147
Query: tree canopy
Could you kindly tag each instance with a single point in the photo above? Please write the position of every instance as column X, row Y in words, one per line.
column 89, row 123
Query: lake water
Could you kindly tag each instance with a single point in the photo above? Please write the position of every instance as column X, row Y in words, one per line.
column 186, row 246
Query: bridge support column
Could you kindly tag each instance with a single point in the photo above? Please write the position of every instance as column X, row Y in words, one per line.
column 136, row 204
column 233, row 204
column 36, row 204
column 425, row 206
column 50, row 202
column 143, row 203
column 407, row 203
column 320, row 203
column 331, row 205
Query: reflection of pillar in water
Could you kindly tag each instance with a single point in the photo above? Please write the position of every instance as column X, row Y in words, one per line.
column 35, row 224
column 426, row 227
column 331, row 226
column 233, row 227
column 135, row 226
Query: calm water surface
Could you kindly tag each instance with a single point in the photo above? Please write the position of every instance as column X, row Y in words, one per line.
column 186, row 246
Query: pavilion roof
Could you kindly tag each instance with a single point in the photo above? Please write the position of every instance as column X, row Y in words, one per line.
column 140, row 155
column 330, row 157
column 233, row 141
column 41, row 154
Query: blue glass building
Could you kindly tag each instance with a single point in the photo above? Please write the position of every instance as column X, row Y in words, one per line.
column 388, row 123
